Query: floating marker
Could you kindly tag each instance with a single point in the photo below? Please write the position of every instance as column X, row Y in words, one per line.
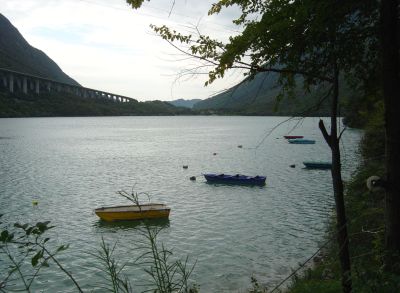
column 35, row 202
column 193, row 178
column 293, row 166
column 240, row 146
column 185, row 166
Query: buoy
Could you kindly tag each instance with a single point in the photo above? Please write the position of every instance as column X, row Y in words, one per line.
column 35, row 202
column 185, row 166
column 240, row 146
column 193, row 178
column 293, row 166
column 214, row 154
column 375, row 183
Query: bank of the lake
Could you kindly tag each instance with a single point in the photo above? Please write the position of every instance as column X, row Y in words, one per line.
column 365, row 213
column 53, row 104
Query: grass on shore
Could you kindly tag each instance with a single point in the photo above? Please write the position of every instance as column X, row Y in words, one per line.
column 365, row 215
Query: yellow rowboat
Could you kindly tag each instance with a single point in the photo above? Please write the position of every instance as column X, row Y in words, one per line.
column 133, row 212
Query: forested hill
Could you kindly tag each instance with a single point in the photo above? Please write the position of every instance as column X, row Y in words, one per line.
column 258, row 96
column 18, row 55
column 184, row 103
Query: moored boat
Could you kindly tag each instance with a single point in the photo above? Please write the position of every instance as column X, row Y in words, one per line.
column 292, row 136
column 235, row 179
column 318, row 165
column 301, row 141
column 133, row 212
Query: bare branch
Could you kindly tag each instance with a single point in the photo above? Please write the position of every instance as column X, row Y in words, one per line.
column 341, row 132
column 172, row 7
column 327, row 137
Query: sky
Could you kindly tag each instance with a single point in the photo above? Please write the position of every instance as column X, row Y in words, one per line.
column 106, row 45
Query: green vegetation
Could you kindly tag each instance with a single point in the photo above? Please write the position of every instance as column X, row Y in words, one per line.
column 366, row 227
column 259, row 96
column 64, row 104
column 26, row 250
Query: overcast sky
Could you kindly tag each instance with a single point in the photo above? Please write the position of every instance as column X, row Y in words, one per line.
column 106, row 45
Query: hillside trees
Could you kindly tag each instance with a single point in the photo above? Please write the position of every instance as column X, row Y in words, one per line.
column 390, row 46
column 321, row 41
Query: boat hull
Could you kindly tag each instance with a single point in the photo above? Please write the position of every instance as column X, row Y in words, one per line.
column 301, row 141
column 127, row 213
column 292, row 136
column 235, row 179
column 318, row 165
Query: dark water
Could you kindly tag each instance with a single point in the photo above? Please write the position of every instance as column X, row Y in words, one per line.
column 72, row 165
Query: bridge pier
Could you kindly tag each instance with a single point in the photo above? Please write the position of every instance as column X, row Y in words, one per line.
column 18, row 82
column 37, row 88
column 11, row 83
column 24, row 85
column 4, row 78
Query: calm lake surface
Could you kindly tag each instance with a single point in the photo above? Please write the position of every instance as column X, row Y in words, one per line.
column 73, row 165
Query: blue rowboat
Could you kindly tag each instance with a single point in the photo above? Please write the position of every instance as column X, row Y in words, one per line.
column 301, row 141
column 235, row 179
column 318, row 165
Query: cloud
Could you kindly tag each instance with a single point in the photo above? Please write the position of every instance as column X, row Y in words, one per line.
column 108, row 46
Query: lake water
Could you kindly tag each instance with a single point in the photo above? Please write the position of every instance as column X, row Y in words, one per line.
column 73, row 165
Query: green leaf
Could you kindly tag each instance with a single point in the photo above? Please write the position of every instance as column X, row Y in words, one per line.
column 42, row 227
column 29, row 230
column 36, row 257
column 4, row 236
column 62, row 247
column 17, row 225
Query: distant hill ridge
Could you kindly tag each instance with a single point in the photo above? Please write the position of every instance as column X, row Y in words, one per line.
column 184, row 103
column 258, row 96
column 18, row 55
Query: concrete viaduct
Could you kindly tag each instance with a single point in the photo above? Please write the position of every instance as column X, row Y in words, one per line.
column 15, row 81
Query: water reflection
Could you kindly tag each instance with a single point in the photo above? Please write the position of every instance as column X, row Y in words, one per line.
column 249, row 185
column 116, row 226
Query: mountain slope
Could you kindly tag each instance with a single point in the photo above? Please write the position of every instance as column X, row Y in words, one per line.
column 258, row 96
column 184, row 103
column 16, row 54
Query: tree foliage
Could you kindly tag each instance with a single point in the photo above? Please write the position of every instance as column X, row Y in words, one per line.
column 319, row 40
column 289, row 37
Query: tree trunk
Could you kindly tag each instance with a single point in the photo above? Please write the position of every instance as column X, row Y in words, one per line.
column 341, row 222
column 391, row 83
